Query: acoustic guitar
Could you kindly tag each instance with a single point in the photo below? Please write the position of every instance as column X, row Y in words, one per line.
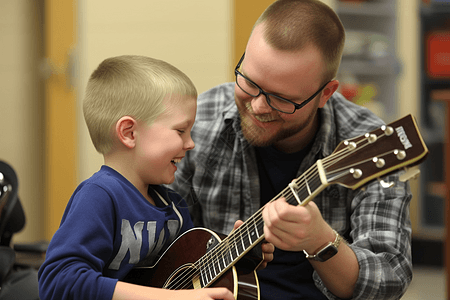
column 201, row 258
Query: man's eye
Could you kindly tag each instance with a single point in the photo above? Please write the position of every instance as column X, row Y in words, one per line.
column 249, row 83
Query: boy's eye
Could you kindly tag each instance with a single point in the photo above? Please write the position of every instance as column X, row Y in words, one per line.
column 180, row 131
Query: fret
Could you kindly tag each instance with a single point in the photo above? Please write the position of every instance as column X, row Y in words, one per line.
column 236, row 247
column 221, row 261
column 216, row 267
column 206, row 270
column 234, row 251
column 243, row 243
column 302, row 188
column 228, row 259
column 230, row 249
column 260, row 227
column 203, row 277
column 209, row 275
column 248, row 239
column 224, row 256
column 307, row 185
column 253, row 235
column 255, row 232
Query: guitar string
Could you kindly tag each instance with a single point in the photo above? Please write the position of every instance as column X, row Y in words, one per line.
column 340, row 170
column 238, row 236
column 327, row 164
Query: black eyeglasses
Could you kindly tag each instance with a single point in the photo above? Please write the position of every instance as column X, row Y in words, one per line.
column 276, row 102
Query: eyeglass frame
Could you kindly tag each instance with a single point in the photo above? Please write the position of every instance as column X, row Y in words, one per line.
column 261, row 91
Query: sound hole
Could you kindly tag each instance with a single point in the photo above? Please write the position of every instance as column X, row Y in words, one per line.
column 185, row 277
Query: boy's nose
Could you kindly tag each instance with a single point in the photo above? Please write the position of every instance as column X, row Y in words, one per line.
column 189, row 145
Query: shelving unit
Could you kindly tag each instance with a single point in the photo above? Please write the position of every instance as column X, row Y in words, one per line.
column 381, row 17
column 369, row 56
column 435, row 91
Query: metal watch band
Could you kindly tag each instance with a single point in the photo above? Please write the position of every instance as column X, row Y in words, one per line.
column 327, row 251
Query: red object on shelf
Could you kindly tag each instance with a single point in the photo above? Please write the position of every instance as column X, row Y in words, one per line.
column 438, row 54
column 349, row 91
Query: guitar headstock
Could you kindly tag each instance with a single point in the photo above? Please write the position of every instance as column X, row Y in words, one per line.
column 377, row 153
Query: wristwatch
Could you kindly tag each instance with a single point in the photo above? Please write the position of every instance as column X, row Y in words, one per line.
column 328, row 251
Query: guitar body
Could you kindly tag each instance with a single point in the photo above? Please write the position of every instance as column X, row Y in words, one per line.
column 176, row 268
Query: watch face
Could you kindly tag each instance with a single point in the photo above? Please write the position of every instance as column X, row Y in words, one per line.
column 327, row 253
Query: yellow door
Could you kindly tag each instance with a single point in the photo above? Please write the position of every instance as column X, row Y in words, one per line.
column 60, row 109
column 246, row 12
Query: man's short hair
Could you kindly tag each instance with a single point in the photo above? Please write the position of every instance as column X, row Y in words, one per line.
column 295, row 24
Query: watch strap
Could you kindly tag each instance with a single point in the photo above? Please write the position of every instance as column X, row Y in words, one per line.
column 328, row 251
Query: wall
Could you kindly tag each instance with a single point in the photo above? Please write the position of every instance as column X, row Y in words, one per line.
column 21, row 105
column 194, row 36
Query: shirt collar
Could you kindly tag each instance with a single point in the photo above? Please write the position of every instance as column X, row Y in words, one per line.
column 325, row 141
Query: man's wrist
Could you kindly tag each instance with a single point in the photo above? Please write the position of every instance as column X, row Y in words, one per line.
column 327, row 251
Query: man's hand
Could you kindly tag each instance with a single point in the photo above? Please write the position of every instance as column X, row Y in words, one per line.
column 296, row 228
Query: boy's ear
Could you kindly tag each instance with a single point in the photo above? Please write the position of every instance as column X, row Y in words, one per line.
column 125, row 128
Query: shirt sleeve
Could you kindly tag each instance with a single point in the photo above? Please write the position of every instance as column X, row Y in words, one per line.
column 183, row 185
column 381, row 233
column 79, row 250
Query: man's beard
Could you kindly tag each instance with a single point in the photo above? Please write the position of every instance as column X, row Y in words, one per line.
column 257, row 136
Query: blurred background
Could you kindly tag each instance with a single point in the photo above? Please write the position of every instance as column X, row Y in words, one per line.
column 396, row 62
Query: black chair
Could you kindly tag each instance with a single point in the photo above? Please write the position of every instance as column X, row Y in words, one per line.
column 16, row 282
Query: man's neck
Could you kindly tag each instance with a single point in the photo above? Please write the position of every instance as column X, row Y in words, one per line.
column 300, row 140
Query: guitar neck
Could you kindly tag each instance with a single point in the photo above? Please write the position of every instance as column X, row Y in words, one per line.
column 238, row 243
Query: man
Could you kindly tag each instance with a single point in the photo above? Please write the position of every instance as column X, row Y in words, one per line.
column 286, row 116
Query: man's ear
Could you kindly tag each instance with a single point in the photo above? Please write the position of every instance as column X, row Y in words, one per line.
column 328, row 91
column 125, row 128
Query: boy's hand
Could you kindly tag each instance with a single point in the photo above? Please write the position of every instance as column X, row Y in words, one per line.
column 204, row 294
column 126, row 290
column 266, row 247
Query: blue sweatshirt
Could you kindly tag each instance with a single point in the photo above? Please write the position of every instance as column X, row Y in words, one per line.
column 107, row 228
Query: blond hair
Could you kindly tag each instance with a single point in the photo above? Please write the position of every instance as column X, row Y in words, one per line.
column 129, row 86
column 292, row 25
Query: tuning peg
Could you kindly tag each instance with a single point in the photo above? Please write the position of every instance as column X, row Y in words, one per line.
column 412, row 173
column 385, row 184
column 388, row 130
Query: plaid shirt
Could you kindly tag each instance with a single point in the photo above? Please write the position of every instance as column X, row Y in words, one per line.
column 219, row 179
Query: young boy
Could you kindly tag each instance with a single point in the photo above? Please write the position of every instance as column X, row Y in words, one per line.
column 139, row 112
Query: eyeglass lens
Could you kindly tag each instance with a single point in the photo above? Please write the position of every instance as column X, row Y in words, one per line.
column 254, row 91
